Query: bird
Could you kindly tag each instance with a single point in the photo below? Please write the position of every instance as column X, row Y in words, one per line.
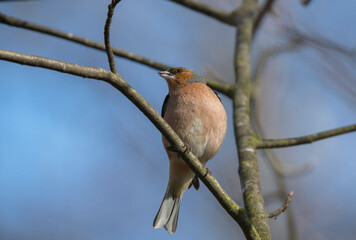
column 195, row 112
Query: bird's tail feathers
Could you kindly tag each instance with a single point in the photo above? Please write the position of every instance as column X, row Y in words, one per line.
column 167, row 215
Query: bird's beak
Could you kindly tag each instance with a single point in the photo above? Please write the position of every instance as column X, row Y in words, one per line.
column 166, row 75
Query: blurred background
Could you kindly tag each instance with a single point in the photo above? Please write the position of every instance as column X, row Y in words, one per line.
column 79, row 161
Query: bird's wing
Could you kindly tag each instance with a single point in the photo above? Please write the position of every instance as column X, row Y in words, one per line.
column 164, row 106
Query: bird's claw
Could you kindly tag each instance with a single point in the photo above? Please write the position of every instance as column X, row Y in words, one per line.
column 187, row 149
column 174, row 149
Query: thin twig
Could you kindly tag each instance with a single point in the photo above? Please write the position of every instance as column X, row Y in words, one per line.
column 288, row 142
column 290, row 221
column 11, row 21
column 280, row 210
column 260, row 16
column 234, row 210
column 16, row 22
column 229, row 18
column 108, row 48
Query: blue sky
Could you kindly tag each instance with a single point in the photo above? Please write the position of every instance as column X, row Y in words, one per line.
column 79, row 161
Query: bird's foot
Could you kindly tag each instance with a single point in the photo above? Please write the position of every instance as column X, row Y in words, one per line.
column 187, row 149
column 174, row 149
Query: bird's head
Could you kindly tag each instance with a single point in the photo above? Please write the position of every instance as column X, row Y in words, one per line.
column 181, row 75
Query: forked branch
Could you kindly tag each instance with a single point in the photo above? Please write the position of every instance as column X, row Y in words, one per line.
column 16, row 22
column 234, row 210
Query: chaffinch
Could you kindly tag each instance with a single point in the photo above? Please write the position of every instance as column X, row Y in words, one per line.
column 196, row 114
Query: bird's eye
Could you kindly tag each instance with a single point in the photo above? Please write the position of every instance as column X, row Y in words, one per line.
column 179, row 70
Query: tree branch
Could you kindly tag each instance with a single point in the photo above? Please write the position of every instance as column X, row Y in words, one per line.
column 235, row 211
column 108, row 48
column 15, row 22
column 288, row 142
column 229, row 18
column 245, row 137
column 280, row 210
column 260, row 16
